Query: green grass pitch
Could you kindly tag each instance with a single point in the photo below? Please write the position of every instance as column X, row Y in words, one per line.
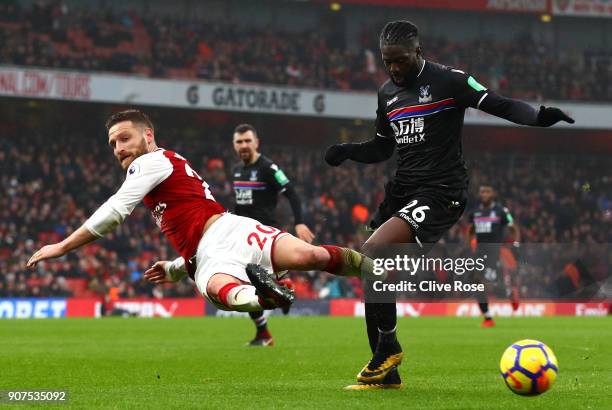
column 450, row 363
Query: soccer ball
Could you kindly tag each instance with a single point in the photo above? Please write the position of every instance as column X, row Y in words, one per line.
column 529, row 367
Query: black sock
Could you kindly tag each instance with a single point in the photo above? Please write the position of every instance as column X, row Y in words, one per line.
column 387, row 316
column 371, row 316
column 387, row 324
column 387, row 337
column 484, row 308
column 256, row 315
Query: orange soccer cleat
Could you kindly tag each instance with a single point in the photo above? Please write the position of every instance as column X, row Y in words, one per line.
column 487, row 323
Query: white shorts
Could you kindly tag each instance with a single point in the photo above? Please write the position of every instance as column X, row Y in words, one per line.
column 231, row 243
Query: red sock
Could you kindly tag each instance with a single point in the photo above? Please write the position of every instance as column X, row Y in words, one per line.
column 261, row 323
column 335, row 259
column 264, row 334
column 224, row 291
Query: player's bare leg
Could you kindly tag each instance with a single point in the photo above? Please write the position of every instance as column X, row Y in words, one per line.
column 381, row 319
column 291, row 253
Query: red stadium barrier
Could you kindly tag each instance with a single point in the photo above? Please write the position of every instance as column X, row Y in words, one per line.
column 139, row 307
column 83, row 307
column 355, row 307
column 162, row 307
column 90, row 307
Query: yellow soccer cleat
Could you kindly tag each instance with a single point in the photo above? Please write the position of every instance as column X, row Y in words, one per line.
column 373, row 386
column 378, row 368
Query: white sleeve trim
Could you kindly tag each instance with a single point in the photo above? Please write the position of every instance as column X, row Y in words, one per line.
column 92, row 230
column 143, row 175
column 481, row 98
column 176, row 269
column 381, row 136
column 104, row 220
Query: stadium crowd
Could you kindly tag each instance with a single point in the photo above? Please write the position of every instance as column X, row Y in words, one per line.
column 51, row 185
column 51, row 34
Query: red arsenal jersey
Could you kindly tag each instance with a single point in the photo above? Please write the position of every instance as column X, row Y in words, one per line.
column 181, row 204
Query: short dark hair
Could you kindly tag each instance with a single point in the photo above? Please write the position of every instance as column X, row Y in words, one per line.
column 400, row 32
column 136, row 116
column 242, row 128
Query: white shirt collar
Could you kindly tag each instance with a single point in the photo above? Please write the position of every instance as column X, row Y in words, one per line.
column 420, row 71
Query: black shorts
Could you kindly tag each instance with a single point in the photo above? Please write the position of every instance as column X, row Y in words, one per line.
column 430, row 212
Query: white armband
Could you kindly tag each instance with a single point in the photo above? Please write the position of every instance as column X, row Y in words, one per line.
column 176, row 269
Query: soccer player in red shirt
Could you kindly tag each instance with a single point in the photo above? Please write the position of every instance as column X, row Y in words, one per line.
column 231, row 258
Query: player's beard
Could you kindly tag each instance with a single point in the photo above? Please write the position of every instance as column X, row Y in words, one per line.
column 407, row 78
column 138, row 151
column 246, row 156
column 404, row 79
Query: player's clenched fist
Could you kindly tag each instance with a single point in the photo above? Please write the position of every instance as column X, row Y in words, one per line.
column 337, row 154
column 551, row 115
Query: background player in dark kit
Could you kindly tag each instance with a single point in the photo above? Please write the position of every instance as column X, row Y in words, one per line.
column 257, row 182
column 420, row 113
column 487, row 226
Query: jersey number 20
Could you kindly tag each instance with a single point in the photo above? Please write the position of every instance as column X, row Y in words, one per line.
column 254, row 236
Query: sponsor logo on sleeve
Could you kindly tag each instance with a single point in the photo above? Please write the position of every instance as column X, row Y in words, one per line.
column 133, row 170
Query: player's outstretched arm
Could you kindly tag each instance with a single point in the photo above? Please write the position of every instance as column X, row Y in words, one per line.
column 520, row 112
column 143, row 175
column 166, row 271
column 77, row 239
column 377, row 149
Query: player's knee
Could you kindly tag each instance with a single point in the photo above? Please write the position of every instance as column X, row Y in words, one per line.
column 212, row 290
column 309, row 257
column 368, row 249
column 217, row 282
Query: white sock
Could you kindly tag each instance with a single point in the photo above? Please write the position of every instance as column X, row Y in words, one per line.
column 243, row 298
